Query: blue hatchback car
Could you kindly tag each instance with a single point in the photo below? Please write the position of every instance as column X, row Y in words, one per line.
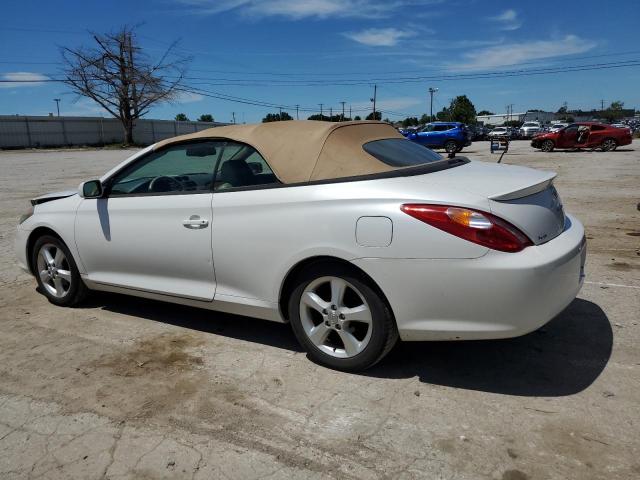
column 452, row 136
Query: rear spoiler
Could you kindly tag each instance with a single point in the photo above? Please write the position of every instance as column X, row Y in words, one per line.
column 527, row 190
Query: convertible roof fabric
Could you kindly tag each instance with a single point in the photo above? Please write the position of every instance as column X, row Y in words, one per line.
column 307, row 150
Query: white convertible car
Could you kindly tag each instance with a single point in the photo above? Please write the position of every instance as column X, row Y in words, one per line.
column 351, row 233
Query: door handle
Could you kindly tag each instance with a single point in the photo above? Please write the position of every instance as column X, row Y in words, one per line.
column 194, row 221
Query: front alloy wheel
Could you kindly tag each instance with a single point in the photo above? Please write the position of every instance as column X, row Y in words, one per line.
column 56, row 272
column 547, row 146
column 53, row 269
column 341, row 318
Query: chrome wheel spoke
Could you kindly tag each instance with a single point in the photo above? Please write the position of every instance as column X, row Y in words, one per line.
column 357, row 314
column 65, row 275
column 59, row 258
column 44, row 276
column 318, row 334
column 57, row 282
column 312, row 300
column 338, row 287
column 47, row 256
column 351, row 344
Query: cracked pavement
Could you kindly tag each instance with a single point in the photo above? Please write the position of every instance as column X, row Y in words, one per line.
column 124, row 388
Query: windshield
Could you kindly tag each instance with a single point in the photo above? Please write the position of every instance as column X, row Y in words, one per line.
column 399, row 152
column 530, row 125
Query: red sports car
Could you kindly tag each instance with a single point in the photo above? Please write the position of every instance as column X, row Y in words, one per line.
column 583, row 135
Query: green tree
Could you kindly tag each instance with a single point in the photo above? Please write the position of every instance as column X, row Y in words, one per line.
column 371, row 116
column 443, row 115
column 357, row 117
column 181, row 117
column 276, row 117
column 426, row 119
column 409, row 122
column 206, row 117
column 614, row 112
column 462, row 110
column 485, row 112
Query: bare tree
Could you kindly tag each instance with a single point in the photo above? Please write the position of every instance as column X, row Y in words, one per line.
column 116, row 74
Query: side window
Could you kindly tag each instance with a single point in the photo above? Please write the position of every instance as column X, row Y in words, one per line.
column 186, row 168
column 242, row 166
column 571, row 128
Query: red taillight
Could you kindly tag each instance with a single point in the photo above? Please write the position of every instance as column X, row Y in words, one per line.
column 473, row 225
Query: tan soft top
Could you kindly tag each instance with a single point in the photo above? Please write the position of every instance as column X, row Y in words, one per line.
column 307, row 150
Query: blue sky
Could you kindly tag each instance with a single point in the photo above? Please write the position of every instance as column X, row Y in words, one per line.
column 298, row 52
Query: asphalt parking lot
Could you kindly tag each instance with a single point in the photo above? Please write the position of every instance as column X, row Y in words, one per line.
column 129, row 388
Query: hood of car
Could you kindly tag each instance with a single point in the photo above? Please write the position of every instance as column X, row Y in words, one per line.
column 48, row 197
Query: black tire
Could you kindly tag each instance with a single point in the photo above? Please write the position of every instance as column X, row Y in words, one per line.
column 608, row 145
column 451, row 146
column 547, row 146
column 77, row 291
column 384, row 333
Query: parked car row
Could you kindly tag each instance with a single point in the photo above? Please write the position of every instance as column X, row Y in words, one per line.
column 454, row 136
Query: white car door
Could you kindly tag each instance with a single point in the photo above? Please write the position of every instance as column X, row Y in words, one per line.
column 151, row 230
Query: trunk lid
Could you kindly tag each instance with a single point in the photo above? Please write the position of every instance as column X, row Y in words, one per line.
column 522, row 196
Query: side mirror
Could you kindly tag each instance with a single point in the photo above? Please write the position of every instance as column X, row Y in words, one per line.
column 91, row 189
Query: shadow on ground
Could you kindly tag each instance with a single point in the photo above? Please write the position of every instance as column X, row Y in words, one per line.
column 562, row 358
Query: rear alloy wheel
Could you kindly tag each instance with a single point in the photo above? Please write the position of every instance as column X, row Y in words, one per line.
column 340, row 320
column 608, row 145
column 547, row 146
column 56, row 272
column 451, row 147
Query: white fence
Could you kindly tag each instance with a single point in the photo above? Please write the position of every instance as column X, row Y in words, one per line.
column 34, row 132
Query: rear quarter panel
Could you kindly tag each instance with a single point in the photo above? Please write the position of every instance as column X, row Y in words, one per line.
column 260, row 235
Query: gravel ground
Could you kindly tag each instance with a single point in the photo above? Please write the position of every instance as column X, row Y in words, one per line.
column 129, row 388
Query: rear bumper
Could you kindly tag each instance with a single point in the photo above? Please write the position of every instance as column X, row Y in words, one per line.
column 499, row 295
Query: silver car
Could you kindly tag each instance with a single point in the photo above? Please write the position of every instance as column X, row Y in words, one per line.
column 348, row 231
column 530, row 129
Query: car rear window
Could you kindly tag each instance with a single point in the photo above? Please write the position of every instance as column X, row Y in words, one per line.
column 399, row 152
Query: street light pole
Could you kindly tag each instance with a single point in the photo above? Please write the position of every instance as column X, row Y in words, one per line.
column 375, row 92
column 431, row 92
column 297, row 107
column 57, row 100
column 321, row 110
column 342, row 111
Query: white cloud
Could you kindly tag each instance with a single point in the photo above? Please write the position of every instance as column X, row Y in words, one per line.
column 188, row 97
column 22, row 79
column 517, row 53
column 379, row 37
column 508, row 20
column 298, row 9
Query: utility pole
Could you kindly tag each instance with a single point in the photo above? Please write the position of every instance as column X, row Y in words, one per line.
column 350, row 117
column 375, row 92
column 57, row 100
column 331, row 114
column 602, row 105
column 233, row 114
column 342, row 111
column 280, row 114
column 431, row 92
column 297, row 107
column 321, row 110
